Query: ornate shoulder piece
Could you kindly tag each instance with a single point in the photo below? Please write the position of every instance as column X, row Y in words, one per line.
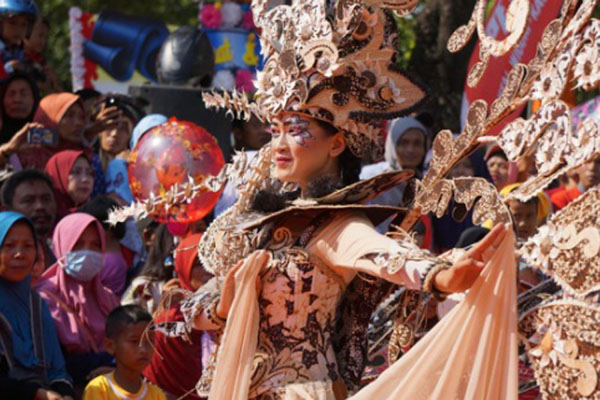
column 568, row 246
column 564, row 347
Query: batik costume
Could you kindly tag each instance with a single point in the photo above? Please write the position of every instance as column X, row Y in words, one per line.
column 343, row 73
column 335, row 62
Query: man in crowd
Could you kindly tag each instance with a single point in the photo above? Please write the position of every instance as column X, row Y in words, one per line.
column 29, row 192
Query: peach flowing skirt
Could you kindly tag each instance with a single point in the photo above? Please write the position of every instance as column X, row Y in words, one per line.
column 471, row 354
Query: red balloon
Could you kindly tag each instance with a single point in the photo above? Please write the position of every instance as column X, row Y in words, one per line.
column 167, row 155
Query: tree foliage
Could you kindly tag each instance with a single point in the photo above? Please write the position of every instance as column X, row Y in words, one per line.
column 179, row 12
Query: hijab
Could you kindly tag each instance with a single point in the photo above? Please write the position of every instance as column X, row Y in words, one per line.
column 185, row 255
column 74, row 303
column 398, row 128
column 58, row 168
column 177, row 363
column 145, row 124
column 15, row 303
column 10, row 126
column 53, row 108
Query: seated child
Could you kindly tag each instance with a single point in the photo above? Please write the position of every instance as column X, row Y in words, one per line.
column 132, row 350
column 16, row 22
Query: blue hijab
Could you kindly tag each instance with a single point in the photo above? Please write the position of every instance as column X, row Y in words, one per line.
column 15, row 307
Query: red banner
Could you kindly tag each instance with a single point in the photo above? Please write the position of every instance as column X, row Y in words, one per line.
column 494, row 79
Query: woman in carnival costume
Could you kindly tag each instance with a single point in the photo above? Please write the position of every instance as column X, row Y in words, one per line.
column 286, row 253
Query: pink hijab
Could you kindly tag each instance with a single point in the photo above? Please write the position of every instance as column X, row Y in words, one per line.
column 78, row 308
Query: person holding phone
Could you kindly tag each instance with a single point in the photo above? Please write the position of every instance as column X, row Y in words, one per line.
column 20, row 98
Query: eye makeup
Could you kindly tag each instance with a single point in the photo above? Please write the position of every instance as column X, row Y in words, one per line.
column 296, row 127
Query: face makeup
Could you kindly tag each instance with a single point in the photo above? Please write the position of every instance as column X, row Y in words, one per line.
column 296, row 127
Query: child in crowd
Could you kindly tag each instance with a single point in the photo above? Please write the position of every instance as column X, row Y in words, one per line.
column 132, row 349
column 16, row 21
column 528, row 216
column 35, row 60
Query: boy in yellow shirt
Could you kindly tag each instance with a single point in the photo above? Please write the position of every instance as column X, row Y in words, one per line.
column 132, row 350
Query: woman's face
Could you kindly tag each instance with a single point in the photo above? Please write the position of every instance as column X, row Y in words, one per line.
column 89, row 240
column 301, row 149
column 81, row 181
column 411, row 149
column 498, row 167
column 72, row 124
column 115, row 138
column 18, row 99
column 17, row 254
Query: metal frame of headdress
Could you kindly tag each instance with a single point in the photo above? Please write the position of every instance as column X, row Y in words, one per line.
column 335, row 64
column 561, row 334
column 569, row 43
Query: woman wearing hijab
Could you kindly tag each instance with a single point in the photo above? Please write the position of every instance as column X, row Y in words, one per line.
column 405, row 148
column 63, row 113
column 78, row 300
column 72, row 180
column 20, row 98
column 177, row 364
column 114, row 273
column 31, row 362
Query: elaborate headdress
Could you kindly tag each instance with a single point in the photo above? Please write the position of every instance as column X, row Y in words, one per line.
column 336, row 64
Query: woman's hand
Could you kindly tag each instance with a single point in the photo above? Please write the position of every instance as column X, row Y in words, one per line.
column 171, row 285
column 466, row 269
column 17, row 142
column 19, row 139
column 103, row 120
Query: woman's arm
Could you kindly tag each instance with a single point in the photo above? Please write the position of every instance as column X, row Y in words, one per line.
column 200, row 310
column 350, row 244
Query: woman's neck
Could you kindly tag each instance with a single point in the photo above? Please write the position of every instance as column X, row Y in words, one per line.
column 330, row 173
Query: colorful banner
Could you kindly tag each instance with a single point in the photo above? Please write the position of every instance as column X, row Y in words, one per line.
column 493, row 81
column 110, row 50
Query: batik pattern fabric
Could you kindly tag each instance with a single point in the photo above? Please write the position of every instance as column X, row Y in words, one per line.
column 299, row 303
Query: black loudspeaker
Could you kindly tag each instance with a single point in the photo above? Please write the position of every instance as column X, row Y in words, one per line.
column 186, row 104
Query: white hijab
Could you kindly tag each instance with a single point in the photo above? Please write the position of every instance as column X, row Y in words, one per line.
column 398, row 128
